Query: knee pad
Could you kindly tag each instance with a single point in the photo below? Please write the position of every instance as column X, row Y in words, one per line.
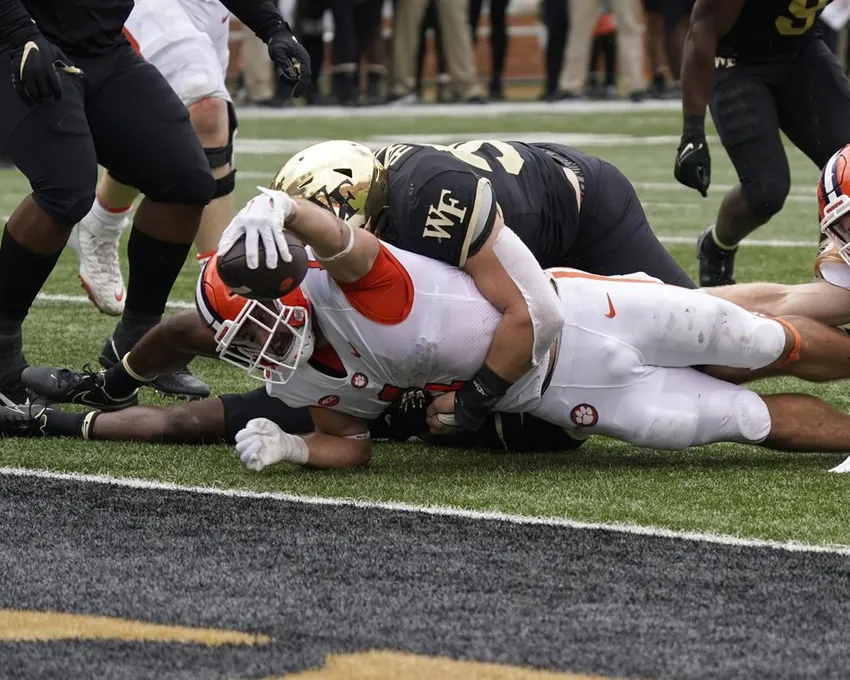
column 68, row 205
column 224, row 186
column 746, row 340
column 766, row 195
column 733, row 415
column 219, row 156
column 668, row 422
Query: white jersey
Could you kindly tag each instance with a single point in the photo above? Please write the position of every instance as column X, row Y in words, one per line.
column 411, row 322
column 187, row 40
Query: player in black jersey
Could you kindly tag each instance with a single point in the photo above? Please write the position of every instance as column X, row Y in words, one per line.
column 74, row 94
column 571, row 209
column 762, row 68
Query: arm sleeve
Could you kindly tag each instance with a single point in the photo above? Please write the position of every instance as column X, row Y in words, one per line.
column 13, row 17
column 448, row 214
column 261, row 16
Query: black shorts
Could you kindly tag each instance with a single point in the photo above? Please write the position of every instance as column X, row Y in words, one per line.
column 123, row 115
column 673, row 10
column 806, row 97
column 614, row 236
column 240, row 408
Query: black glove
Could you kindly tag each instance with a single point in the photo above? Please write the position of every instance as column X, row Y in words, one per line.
column 36, row 63
column 291, row 60
column 405, row 417
column 693, row 162
column 475, row 400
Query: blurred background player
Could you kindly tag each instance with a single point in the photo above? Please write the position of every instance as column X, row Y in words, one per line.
column 187, row 41
column 762, row 68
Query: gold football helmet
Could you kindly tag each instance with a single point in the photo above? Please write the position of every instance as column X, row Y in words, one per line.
column 340, row 175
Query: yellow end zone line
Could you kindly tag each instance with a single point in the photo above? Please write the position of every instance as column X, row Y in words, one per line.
column 18, row 625
column 437, row 511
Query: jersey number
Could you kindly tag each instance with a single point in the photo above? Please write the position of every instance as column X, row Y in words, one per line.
column 802, row 16
column 508, row 157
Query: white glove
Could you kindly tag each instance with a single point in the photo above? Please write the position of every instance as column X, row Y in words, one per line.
column 261, row 219
column 262, row 443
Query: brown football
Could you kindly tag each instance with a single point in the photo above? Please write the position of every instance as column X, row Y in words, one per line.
column 263, row 283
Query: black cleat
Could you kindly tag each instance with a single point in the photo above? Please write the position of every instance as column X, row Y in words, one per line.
column 26, row 420
column 182, row 383
column 75, row 387
column 716, row 264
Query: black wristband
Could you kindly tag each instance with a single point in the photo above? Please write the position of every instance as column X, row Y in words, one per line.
column 694, row 126
column 475, row 400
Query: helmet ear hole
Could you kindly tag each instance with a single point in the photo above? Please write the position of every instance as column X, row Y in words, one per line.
column 338, row 175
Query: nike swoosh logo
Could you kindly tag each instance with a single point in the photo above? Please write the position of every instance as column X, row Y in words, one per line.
column 611, row 311
column 688, row 150
column 29, row 47
column 118, row 296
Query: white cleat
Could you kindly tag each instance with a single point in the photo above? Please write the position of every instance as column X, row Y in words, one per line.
column 842, row 467
column 96, row 247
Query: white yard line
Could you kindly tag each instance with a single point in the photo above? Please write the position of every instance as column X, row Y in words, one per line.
column 492, row 110
column 262, row 146
column 439, row 511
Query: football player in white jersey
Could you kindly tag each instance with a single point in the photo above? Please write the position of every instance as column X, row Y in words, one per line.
column 187, row 40
column 374, row 319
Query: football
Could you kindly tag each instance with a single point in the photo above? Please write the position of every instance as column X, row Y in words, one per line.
column 263, row 283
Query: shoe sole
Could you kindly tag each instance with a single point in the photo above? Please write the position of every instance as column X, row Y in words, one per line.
column 93, row 298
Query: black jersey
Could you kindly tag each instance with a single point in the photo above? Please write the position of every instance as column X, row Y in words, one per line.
column 94, row 25
column 443, row 200
column 768, row 30
column 82, row 25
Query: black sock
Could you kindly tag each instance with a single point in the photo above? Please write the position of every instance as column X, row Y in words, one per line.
column 119, row 383
column 22, row 275
column 64, row 424
column 154, row 266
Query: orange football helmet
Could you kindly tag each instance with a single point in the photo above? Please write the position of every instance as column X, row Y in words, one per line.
column 269, row 340
column 834, row 201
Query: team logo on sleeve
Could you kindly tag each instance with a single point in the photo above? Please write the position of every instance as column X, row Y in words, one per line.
column 584, row 415
column 447, row 213
column 359, row 381
column 328, row 401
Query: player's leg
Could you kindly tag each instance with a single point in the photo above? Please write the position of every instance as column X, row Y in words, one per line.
column 166, row 347
column 143, row 136
column 814, row 104
column 194, row 62
column 668, row 325
column 615, row 235
column 198, row 422
column 745, row 115
column 50, row 144
column 801, row 422
column 662, row 408
column 95, row 240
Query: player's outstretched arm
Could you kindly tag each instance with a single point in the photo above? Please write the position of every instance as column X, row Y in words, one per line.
column 346, row 253
column 341, row 441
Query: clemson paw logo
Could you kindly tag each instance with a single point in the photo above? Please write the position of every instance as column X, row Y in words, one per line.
column 359, row 381
column 328, row 401
column 584, row 415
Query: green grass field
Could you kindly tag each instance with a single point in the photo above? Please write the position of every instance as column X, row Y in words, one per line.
column 727, row 489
